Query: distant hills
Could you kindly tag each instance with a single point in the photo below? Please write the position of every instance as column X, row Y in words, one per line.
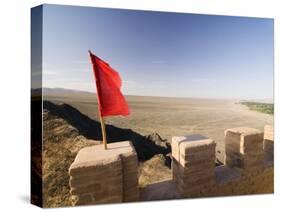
column 67, row 92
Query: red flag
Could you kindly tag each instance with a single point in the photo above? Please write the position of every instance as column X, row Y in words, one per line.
column 108, row 83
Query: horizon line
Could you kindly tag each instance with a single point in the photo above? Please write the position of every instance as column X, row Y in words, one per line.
column 181, row 97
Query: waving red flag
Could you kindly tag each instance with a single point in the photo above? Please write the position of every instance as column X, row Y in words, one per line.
column 108, row 83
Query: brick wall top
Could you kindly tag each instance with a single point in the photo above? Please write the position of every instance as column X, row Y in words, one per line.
column 97, row 155
column 268, row 133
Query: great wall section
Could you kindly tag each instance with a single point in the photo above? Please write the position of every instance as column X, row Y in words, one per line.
column 110, row 176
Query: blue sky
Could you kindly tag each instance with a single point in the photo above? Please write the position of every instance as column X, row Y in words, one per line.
column 160, row 54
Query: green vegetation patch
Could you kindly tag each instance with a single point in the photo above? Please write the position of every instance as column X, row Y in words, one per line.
column 267, row 108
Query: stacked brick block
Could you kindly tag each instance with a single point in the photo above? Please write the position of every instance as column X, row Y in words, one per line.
column 268, row 143
column 244, row 172
column 193, row 164
column 244, row 148
column 235, row 181
column 130, row 177
column 109, row 176
column 104, row 176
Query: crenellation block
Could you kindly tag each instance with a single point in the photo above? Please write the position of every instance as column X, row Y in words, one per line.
column 104, row 176
column 193, row 163
column 243, row 147
column 268, row 143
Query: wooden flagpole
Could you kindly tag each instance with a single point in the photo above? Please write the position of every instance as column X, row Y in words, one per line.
column 103, row 129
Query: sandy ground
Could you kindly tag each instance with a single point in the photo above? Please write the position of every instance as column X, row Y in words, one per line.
column 172, row 116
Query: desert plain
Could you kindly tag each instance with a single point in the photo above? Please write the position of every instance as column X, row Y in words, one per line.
column 170, row 116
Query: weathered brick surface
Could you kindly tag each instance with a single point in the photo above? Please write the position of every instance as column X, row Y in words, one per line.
column 193, row 163
column 104, row 176
column 195, row 176
column 268, row 143
column 243, row 147
column 258, row 181
column 269, row 132
column 130, row 179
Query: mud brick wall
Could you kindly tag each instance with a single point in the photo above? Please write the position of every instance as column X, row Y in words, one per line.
column 104, row 176
column 243, row 147
column 268, row 144
column 246, row 170
column 130, row 179
column 232, row 181
column 193, row 163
